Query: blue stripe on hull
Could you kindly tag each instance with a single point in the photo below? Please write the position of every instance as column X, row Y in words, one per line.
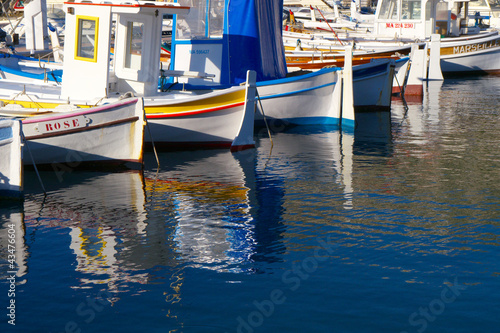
column 296, row 92
column 348, row 123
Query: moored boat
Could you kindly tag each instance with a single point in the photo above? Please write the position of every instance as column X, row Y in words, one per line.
column 195, row 118
column 11, row 167
column 111, row 133
column 316, row 97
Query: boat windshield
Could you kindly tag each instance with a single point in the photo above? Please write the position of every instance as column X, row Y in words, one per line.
column 388, row 9
column 411, row 10
column 205, row 20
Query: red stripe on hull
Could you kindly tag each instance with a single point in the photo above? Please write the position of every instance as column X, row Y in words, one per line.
column 191, row 113
column 242, row 147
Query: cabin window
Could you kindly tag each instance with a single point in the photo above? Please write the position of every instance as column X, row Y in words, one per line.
column 411, row 10
column 442, row 11
column 205, row 20
column 389, row 10
column 133, row 54
column 86, row 39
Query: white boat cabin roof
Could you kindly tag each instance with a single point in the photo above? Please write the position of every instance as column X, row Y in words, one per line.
column 132, row 28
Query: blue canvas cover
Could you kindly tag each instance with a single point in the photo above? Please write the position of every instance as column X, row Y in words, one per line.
column 254, row 36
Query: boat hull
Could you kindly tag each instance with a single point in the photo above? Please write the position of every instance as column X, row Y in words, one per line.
column 11, row 168
column 475, row 56
column 112, row 133
column 216, row 119
column 306, row 99
column 372, row 85
column 178, row 120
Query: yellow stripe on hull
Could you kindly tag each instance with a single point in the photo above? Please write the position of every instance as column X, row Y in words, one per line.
column 209, row 103
column 471, row 47
column 36, row 105
column 215, row 102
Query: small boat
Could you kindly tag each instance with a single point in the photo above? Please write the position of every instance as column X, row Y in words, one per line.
column 315, row 98
column 317, row 60
column 11, row 167
column 306, row 99
column 464, row 49
column 16, row 67
column 200, row 119
column 473, row 56
column 111, row 133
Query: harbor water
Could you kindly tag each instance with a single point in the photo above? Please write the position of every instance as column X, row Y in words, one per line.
column 394, row 228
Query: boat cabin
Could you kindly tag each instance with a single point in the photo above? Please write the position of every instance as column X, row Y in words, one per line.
column 226, row 38
column 113, row 47
column 418, row 19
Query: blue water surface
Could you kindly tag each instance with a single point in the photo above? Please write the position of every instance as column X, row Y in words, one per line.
column 395, row 229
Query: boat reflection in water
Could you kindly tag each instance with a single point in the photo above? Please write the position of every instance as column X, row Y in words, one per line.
column 12, row 240
column 103, row 213
column 207, row 202
column 214, row 210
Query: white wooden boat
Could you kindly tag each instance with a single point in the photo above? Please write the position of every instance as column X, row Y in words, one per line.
column 27, row 69
column 307, row 99
column 372, row 85
column 68, row 134
column 475, row 56
column 11, row 157
column 180, row 118
column 201, row 113
column 316, row 98
column 464, row 49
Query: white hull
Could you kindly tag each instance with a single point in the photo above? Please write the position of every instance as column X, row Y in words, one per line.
column 223, row 118
column 315, row 98
column 210, row 128
column 475, row 55
column 372, row 85
column 109, row 133
column 301, row 100
column 11, row 168
column 216, row 128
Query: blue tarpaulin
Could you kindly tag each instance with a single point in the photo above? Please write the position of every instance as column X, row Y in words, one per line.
column 254, row 37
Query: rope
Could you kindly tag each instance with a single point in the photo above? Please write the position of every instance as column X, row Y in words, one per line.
column 25, row 94
column 329, row 26
column 33, row 160
column 265, row 119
